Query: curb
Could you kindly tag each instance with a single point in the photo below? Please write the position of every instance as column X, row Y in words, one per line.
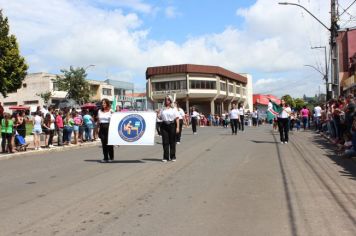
column 54, row 149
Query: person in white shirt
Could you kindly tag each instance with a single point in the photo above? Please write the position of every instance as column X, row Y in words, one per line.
column 234, row 117
column 242, row 117
column 169, row 127
column 181, row 116
column 194, row 116
column 283, row 122
column 104, row 116
column 317, row 116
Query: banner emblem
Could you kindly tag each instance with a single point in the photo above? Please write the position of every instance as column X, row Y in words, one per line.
column 132, row 127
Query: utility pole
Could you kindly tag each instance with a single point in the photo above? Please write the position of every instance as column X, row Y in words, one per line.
column 326, row 75
column 334, row 27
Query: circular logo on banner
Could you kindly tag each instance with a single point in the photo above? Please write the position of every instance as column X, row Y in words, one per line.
column 132, row 127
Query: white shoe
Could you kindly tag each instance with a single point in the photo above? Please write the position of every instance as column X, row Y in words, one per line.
column 282, row 142
column 39, row 148
column 104, row 161
column 174, row 160
column 178, row 142
column 164, row 160
column 285, row 142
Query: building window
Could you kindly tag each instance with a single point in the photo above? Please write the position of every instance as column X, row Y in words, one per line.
column 222, row 86
column 169, row 85
column 24, row 85
column 33, row 102
column 106, row 91
column 231, row 88
column 10, row 103
column 202, row 84
column 55, row 86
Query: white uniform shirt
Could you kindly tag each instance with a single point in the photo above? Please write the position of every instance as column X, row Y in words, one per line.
column 104, row 117
column 169, row 114
column 195, row 114
column 241, row 111
column 180, row 113
column 285, row 113
column 234, row 114
column 317, row 111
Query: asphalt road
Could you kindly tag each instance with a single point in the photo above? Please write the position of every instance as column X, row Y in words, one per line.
column 248, row 184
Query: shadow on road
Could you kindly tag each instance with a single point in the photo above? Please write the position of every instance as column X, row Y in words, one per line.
column 257, row 141
column 118, row 161
column 348, row 164
column 151, row 159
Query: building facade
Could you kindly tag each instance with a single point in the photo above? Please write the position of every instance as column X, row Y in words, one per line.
column 346, row 44
column 211, row 89
column 37, row 83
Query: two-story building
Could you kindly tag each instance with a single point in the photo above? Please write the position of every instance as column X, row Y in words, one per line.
column 211, row 89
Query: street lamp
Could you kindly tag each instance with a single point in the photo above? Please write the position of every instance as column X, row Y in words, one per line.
column 294, row 4
column 328, row 95
column 88, row 67
column 317, row 70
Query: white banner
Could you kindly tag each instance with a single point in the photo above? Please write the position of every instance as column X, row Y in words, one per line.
column 132, row 128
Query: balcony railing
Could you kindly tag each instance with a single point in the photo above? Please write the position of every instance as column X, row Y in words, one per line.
column 169, row 91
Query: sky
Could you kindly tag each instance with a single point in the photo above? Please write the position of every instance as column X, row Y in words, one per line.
column 122, row 38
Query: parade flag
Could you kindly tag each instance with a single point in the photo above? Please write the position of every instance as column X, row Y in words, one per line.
column 273, row 110
column 132, row 128
column 113, row 105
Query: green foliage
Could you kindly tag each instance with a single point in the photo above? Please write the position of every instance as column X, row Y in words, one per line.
column 13, row 68
column 74, row 82
column 289, row 100
column 299, row 103
column 46, row 96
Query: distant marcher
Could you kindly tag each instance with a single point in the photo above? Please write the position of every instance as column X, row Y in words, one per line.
column 181, row 117
column 254, row 117
column 283, row 122
column 242, row 117
column 104, row 116
column 234, row 117
column 194, row 116
column 7, row 125
column 169, row 129
column 37, row 129
column 317, row 117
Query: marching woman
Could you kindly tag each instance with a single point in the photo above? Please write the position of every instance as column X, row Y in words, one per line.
column 283, row 122
column 242, row 117
column 194, row 116
column 169, row 128
column 104, row 116
column 234, row 117
column 181, row 116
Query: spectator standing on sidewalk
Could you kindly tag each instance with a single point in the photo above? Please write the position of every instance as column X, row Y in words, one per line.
column 317, row 117
column 37, row 129
column 68, row 128
column 48, row 128
column 305, row 116
column 88, row 126
column 104, row 116
column 283, row 122
column 169, row 129
column 1, row 112
column 181, row 117
column 7, row 126
column 59, row 127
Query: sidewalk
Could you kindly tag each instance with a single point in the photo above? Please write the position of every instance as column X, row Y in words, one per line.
column 56, row 148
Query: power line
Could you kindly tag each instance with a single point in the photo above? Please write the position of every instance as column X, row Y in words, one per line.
column 345, row 10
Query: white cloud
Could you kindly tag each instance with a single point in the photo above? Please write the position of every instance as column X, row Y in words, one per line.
column 274, row 40
column 171, row 12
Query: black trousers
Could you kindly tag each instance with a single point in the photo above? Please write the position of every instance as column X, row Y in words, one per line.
column 178, row 135
column 6, row 138
column 168, row 132
column 194, row 124
column 283, row 126
column 158, row 128
column 108, row 150
column 233, row 125
column 242, row 123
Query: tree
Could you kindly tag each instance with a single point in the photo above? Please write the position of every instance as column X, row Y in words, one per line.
column 13, row 68
column 289, row 100
column 46, row 96
column 74, row 82
column 299, row 103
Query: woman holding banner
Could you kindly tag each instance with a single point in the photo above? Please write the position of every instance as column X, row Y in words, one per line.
column 169, row 128
column 104, row 116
